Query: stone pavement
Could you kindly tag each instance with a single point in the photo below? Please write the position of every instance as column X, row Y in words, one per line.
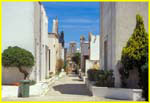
column 69, row 88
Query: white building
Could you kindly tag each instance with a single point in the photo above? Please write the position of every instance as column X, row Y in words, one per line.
column 118, row 20
column 55, row 47
column 45, row 48
column 54, row 51
column 94, row 51
column 25, row 24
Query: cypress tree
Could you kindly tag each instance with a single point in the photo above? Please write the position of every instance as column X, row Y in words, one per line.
column 134, row 54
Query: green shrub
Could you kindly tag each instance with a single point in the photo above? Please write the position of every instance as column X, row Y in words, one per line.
column 96, row 75
column 135, row 52
column 105, row 78
column 91, row 74
column 17, row 57
column 145, row 81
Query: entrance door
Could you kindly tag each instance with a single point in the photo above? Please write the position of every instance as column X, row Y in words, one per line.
column 105, row 55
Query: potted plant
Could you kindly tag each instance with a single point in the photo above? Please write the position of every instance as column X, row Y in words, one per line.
column 20, row 58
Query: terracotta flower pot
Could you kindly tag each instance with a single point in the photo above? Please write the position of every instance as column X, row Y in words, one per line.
column 16, row 84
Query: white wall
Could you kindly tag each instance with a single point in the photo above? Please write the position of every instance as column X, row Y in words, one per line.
column 44, row 26
column 44, row 44
column 18, row 25
column 124, row 29
column 25, row 24
column 19, row 29
column 94, row 47
column 88, row 65
column 118, row 21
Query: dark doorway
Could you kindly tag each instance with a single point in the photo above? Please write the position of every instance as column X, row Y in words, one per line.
column 105, row 54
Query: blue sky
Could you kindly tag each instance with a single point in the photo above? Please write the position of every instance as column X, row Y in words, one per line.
column 75, row 18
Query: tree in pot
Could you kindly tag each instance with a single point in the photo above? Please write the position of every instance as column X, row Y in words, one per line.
column 135, row 55
column 18, row 57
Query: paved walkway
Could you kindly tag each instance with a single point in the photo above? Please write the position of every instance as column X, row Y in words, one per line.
column 69, row 88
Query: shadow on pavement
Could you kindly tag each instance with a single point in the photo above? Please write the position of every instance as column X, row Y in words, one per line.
column 74, row 89
column 77, row 80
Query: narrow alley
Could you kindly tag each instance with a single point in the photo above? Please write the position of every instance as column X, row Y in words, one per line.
column 68, row 88
column 74, row 51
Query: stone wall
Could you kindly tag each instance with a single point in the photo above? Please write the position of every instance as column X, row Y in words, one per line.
column 12, row 75
column 94, row 47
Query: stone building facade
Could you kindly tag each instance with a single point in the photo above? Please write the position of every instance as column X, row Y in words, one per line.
column 118, row 20
column 72, row 48
column 84, row 45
